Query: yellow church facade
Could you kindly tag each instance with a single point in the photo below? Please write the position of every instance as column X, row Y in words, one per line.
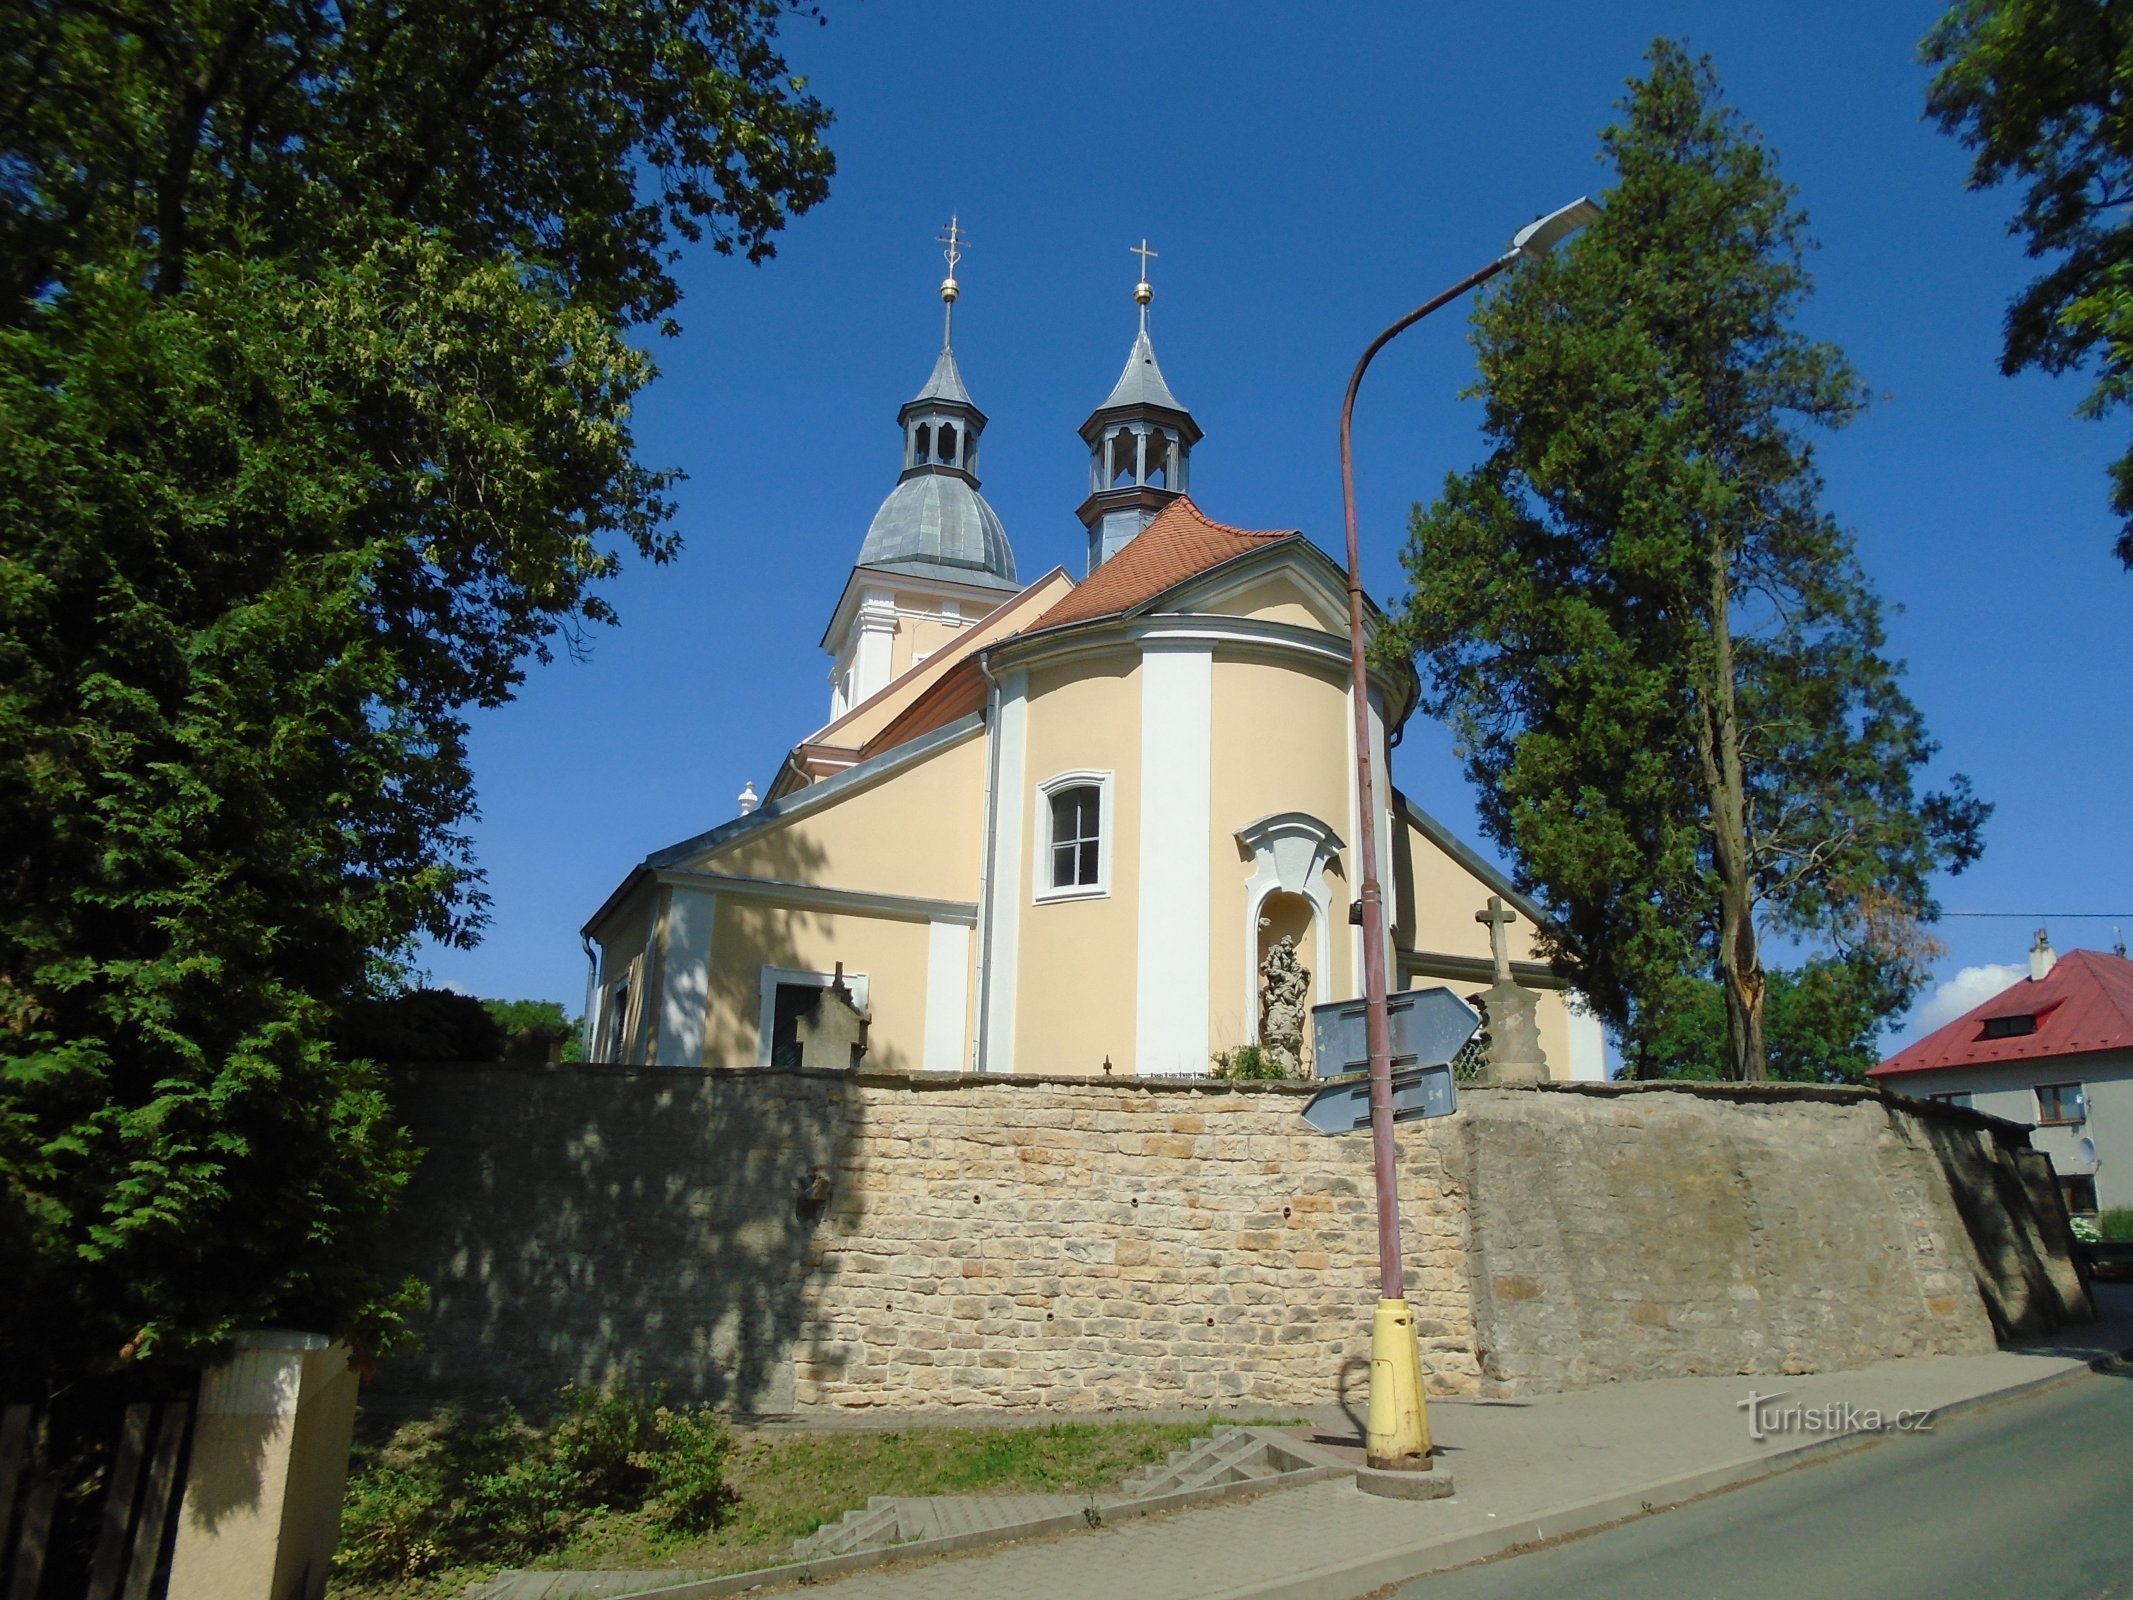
column 1056, row 827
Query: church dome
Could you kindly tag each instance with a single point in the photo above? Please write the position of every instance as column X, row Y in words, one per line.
column 939, row 518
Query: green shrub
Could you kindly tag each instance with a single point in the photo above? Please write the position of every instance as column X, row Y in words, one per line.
column 498, row 1490
column 689, row 1467
column 2116, row 1224
column 1249, row 1063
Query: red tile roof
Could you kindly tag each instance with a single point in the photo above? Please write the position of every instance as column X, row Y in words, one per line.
column 1179, row 543
column 2084, row 1003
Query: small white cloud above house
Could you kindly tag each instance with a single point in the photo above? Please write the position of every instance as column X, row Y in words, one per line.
column 1971, row 987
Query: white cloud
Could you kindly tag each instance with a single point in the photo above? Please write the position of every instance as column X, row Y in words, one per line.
column 1972, row 986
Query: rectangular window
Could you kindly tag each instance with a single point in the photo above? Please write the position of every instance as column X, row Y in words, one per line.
column 2079, row 1195
column 613, row 1043
column 792, row 1002
column 2015, row 1027
column 1953, row 1098
column 1075, row 836
column 2061, row 1102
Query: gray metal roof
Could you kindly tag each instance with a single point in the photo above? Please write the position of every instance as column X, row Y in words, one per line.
column 938, row 517
column 946, row 382
column 1141, row 384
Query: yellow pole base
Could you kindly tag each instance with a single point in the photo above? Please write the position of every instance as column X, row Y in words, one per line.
column 1399, row 1415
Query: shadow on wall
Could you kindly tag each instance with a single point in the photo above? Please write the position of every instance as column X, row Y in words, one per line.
column 614, row 1229
column 754, row 934
column 2011, row 1207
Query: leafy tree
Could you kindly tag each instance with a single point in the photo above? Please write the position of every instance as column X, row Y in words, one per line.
column 2042, row 92
column 1823, row 1022
column 315, row 387
column 529, row 1025
column 1658, row 652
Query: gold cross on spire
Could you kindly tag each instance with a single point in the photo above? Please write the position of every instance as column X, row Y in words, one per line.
column 1144, row 291
column 954, row 239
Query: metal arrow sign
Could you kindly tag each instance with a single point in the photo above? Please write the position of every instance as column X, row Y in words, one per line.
column 1428, row 1026
column 1417, row 1092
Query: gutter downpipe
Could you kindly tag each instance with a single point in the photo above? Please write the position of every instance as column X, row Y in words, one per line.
column 592, row 987
column 992, row 787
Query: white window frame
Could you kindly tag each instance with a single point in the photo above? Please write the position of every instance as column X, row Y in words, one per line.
column 1041, row 887
column 767, row 998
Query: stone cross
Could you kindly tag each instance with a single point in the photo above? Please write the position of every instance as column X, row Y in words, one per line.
column 1498, row 917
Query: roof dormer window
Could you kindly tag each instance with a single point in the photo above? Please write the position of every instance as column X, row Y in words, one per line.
column 2014, row 1027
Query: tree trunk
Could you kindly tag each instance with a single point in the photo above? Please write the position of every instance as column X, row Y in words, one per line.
column 1740, row 964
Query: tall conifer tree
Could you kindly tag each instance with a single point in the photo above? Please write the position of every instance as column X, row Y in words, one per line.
column 1657, row 651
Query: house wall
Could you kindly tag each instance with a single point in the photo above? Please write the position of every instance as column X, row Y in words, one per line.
column 749, row 934
column 1276, row 598
column 1434, row 913
column 1280, row 744
column 1076, row 962
column 915, row 832
column 1075, row 1245
column 2009, row 1089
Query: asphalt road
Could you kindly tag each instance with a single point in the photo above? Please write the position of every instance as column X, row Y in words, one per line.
column 2032, row 1499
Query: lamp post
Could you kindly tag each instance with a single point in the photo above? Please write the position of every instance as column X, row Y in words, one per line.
column 1398, row 1434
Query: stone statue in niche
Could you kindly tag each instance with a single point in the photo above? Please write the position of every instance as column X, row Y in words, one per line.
column 1284, row 1003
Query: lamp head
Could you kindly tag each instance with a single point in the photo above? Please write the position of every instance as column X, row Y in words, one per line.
column 1538, row 238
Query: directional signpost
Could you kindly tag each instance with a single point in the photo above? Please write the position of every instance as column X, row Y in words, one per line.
column 1428, row 1028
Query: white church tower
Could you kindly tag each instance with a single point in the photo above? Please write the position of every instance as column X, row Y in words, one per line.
column 936, row 557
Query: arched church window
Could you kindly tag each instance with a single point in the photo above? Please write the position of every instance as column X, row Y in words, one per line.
column 946, row 437
column 1075, row 860
column 1122, row 443
column 1160, row 445
column 922, row 451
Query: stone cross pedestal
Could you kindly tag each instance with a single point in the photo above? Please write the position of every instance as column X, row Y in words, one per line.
column 1515, row 1054
column 833, row 1032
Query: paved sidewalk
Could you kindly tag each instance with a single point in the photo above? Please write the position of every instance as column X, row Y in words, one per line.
column 1525, row 1470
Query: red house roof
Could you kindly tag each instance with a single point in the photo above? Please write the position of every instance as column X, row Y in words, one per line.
column 2084, row 1003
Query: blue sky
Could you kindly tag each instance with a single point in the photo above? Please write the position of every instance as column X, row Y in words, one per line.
column 1306, row 174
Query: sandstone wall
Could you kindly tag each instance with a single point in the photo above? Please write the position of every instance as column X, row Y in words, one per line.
column 777, row 1240
column 990, row 1243
column 1661, row 1232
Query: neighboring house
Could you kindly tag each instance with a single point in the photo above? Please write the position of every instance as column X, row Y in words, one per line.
column 2055, row 1050
column 1057, row 826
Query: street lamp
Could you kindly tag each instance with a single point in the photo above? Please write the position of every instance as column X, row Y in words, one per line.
column 1398, row 1434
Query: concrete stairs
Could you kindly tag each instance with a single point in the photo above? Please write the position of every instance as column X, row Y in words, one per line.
column 1230, row 1455
column 899, row 1519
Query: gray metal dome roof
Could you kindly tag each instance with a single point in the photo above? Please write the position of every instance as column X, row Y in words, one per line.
column 938, row 517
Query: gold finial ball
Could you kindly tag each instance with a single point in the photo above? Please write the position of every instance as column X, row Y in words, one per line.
column 1143, row 292
column 949, row 291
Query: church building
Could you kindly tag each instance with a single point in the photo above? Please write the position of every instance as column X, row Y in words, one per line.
column 1056, row 825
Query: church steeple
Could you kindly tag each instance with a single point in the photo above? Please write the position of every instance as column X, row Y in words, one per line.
column 935, row 517
column 935, row 558
column 1140, row 441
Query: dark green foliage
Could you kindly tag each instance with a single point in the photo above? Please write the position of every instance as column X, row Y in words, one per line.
column 1659, row 654
column 315, row 388
column 1824, row 1025
column 2116, row 1225
column 419, row 1025
column 2042, row 92
column 480, row 1490
column 530, row 1027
